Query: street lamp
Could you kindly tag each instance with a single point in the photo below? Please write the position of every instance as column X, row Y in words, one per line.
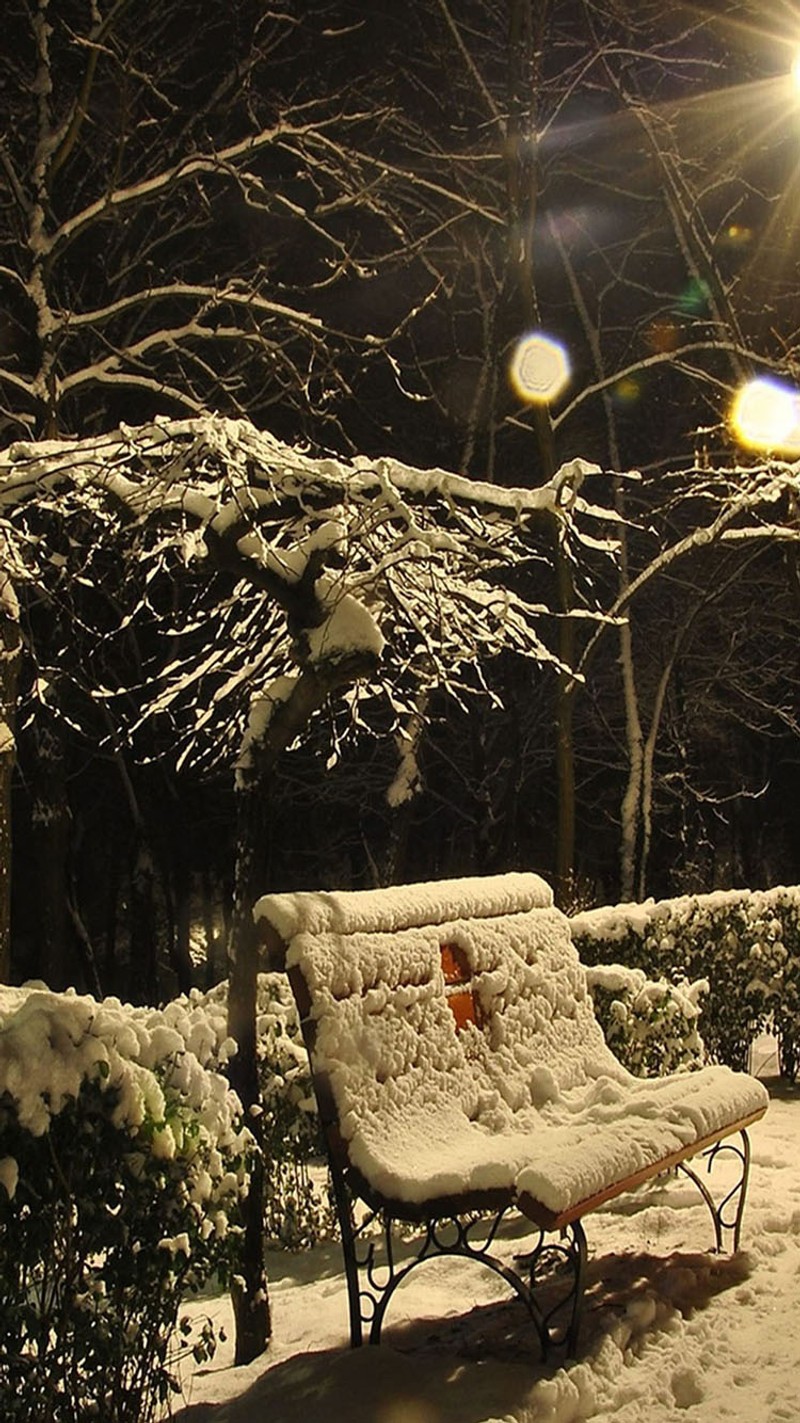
column 766, row 416
column 540, row 368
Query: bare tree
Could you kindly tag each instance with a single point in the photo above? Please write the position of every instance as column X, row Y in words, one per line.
column 302, row 585
column 704, row 555
column 618, row 205
column 274, row 214
column 214, row 223
column 182, row 191
column 10, row 651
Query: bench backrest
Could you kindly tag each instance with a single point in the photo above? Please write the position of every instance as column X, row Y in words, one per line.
column 463, row 996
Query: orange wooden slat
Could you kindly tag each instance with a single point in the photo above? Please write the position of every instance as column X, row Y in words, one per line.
column 552, row 1220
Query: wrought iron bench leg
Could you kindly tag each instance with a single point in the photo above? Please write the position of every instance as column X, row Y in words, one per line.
column 373, row 1272
column 727, row 1213
column 347, row 1227
column 567, row 1254
column 468, row 1238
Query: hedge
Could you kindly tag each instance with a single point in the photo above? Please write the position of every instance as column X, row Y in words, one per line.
column 745, row 944
column 298, row 1209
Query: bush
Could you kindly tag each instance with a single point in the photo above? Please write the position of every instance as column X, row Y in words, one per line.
column 744, row 943
column 297, row 1209
column 652, row 1027
column 122, row 1162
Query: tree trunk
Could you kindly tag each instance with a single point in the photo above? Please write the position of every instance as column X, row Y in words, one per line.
column 143, row 966
column 288, row 719
column 631, row 807
column 526, row 37
column 50, row 834
column 216, row 935
column 6, row 779
column 566, row 688
column 10, row 647
column 180, row 946
column 565, row 782
column 249, row 1293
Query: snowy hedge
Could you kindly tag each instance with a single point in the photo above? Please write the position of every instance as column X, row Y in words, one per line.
column 122, row 1162
column 744, row 943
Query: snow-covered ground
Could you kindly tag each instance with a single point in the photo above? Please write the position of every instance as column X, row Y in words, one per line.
column 670, row 1333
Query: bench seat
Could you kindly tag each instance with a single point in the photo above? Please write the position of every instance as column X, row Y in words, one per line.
column 418, row 1154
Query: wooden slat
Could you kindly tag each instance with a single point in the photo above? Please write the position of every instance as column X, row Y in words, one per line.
column 459, row 993
column 455, row 965
column 462, row 1007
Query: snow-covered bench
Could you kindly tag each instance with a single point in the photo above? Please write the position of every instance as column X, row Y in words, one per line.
column 459, row 1068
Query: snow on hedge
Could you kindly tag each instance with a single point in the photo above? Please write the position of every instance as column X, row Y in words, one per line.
column 744, row 943
column 652, row 1025
column 122, row 1165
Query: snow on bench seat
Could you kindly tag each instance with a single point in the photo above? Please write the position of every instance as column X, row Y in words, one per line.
column 520, row 1096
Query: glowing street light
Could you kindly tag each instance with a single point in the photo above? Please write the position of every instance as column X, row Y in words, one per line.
column 766, row 416
column 539, row 369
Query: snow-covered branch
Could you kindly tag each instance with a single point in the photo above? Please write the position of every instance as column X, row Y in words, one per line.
column 741, row 495
column 212, row 297
column 340, row 571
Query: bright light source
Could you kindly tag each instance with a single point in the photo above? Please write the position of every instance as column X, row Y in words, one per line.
column 766, row 416
column 795, row 72
column 539, row 368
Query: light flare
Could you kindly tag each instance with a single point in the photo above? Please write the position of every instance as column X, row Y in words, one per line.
column 627, row 390
column 539, row 369
column 766, row 416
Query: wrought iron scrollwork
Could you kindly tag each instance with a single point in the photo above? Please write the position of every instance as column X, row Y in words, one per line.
column 727, row 1213
column 374, row 1271
column 553, row 1267
column 563, row 1257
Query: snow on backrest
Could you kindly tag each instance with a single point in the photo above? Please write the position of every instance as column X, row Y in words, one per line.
column 535, row 1034
column 404, row 906
column 385, row 1033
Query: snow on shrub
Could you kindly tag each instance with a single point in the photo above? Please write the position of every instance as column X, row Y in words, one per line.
column 744, row 943
column 122, row 1163
column 651, row 1026
column 298, row 1210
